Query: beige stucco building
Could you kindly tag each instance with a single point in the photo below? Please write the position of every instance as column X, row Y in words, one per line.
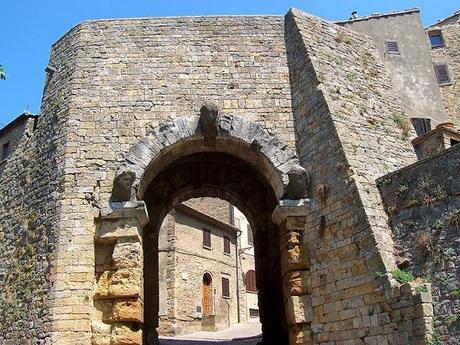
column 204, row 259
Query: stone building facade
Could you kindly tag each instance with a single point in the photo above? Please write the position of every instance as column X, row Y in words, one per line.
column 291, row 119
column 405, row 50
column 198, row 255
column 445, row 51
column 13, row 133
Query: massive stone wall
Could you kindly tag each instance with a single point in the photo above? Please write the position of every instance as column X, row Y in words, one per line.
column 423, row 203
column 115, row 80
column 449, row 53
column 31, row 187
column 350, row 129
column 130, row 76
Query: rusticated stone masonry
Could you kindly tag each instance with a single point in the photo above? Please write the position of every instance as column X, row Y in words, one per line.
column 303, row 108
column 119, row 273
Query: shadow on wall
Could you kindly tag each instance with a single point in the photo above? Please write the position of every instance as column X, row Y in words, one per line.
column 237, row 341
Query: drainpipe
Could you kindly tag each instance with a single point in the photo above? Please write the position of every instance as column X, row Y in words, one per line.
column 237, row 254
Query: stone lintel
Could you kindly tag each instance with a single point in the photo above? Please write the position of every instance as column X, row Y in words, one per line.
column 126, row 210
column 290, row 208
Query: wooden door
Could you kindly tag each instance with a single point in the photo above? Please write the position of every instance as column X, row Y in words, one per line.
column 207, row 295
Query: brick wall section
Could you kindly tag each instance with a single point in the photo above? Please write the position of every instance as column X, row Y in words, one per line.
column 30, row 203
column 344, row 109
column 449, row 54
column 213, row 207
column 423, row 201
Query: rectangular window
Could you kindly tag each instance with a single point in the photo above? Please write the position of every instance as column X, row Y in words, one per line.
column 225, row 287
column 5, row 150
column 253, row 312
column 206, row 238
column 226, row 245
column 392, row 47
column 250, row 236
column 442, row 74
column 251, row 281
column 436, row 39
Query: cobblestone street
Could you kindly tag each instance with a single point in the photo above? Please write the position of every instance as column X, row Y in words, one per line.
column 246, row 333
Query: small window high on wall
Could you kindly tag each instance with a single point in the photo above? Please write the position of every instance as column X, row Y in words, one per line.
column 206, row 238
column 436, row 39
column 226, row 245
column 5, row 151
column 442, row 74
column 392, row 47
column 250, row 236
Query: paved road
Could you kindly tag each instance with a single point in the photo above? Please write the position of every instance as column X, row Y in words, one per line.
column 239, row 334
column 176, row 341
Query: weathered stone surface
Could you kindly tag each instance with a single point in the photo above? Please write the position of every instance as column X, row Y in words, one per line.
column 299, row 309
column 208, row 120
column 300, row 85
column 128, row 310
column 127, row 253
column 126, row 282
column 122, row 186
column 123, row 335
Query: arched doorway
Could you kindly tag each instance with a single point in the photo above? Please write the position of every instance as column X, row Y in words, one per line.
column 207, row 295
column 215, row 156
column 217, row 174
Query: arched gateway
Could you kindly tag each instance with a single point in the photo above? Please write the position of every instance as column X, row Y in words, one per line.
column 214, row 156
column 82, row 196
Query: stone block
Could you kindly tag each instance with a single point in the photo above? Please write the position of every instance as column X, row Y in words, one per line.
column 295, row 258
column 297, row 283
column 299, row 309
column 128, row 310
column 102, row 290
column 126, row 283
column 127, row 253
column 123, row 335
column 109, row 231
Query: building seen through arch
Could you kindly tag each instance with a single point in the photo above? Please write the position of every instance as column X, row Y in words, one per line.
column 206, row 268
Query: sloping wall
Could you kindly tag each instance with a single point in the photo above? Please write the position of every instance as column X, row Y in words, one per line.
column 350, row 129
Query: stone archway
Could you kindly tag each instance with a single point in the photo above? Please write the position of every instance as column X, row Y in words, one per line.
column 214, row 156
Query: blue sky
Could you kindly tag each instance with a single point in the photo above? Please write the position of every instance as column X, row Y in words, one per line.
column 29, row 27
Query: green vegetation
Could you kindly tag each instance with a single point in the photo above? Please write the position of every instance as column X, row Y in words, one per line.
column 422, row 289
column 351, row 77
column 453, row 218
column 438, row 224
column 403, row 123
column 379, row 274
column 402, row 190
column 342, row 38
column 455, row 294
column 435, row 338
column 2, row 73
column 402, row 276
